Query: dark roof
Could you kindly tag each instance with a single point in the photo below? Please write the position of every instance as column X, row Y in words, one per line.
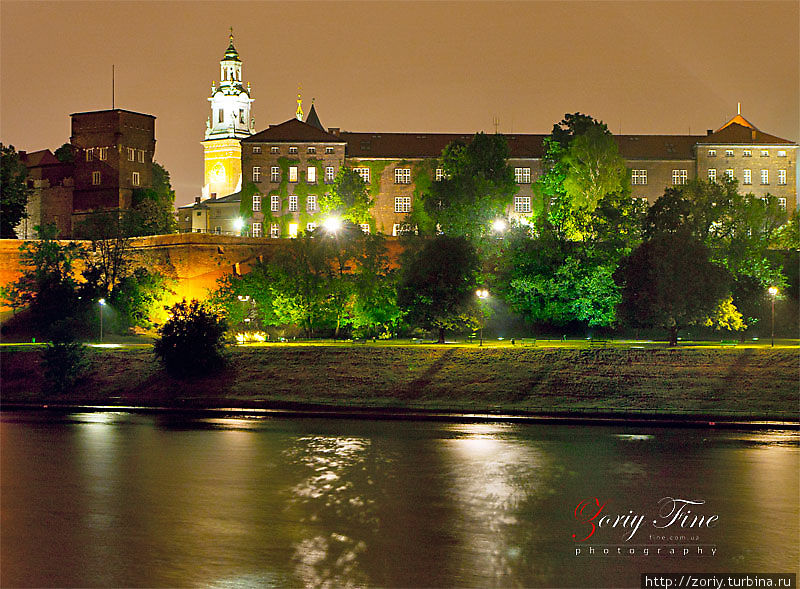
column 43, row 157
column 92, row 112
column 291, row 131
column 312, row 118
column 734, row 132
column 662, row 147
column 203, row 204
column 230, row 53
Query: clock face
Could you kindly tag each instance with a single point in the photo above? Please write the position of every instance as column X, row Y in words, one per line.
column 218, row 173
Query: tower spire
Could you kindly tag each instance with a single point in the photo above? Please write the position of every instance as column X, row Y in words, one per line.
column 299, row 112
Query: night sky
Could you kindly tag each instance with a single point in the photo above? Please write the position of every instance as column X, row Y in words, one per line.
column 642, row 67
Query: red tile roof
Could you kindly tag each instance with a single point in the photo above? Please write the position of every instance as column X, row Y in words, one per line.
column 291, row 131
column 43, row 157
column 734, row 132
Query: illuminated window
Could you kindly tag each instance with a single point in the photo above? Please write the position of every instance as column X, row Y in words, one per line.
column 765, row 153
column 292, row 150
column 293, row 203
column 311, row 149
column 95, row 178
column 679, row 177
column 781, row 153
column 256, row 202
column 274, row 149
column 439, row 174
column 293, row 230
column 274, row 174
column 310, row 227
column 329, row 174
column 402, row 204
column 746, row 177
column 292, row 173
column 522, row 175
column 312, row 174
column 275, row 202
column 747, row 153
column 782, row 203
column 765, row 176
column 781, row 177
column 256, row 149
column 363, row 172
column 402, row 176
column 135, row 178
column 729, row 174
column 522, row 204
column 102, row 153
column 274, row 231
column 401, row 229
column 89, row 154
column 364, row 228
column 256, row 174
column 256, row 229
column 328, row 150
column 712, row 153
column 728, row 153
column 131, row 154
column 638, row 176
column 712, row 175
column 311, row 203
column 140, row 156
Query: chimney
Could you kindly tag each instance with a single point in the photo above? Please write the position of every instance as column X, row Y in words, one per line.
column 333, row 130
column 197, row 200
column 709, row 131
column 753, row 134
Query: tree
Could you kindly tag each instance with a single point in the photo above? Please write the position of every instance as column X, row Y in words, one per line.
column 670, row 282
column 477, row 186
column 138, row 297
column 65, row 154
column 594, row 168
column 348, row 198
column 64, row 361
column 153, row 209
column 437, row 286
column 191, row 341
column 375, row 310
column 111, row 250
column 14, row 191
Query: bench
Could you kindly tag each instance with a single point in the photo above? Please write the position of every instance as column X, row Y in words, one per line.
column 598, row 343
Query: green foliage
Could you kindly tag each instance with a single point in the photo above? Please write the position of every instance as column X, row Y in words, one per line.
column 191, row 342
column 14, row 191
column 64, row 361
column 595, row 168
column 375, row 311
column 138, row 296
column 437, row 285
column 348, row 198
column 725, row 317
column 111, row 251
column 65, row 154
column 153, row 209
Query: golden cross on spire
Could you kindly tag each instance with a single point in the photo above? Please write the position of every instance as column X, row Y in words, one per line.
column 299, row 113
column 231, row 35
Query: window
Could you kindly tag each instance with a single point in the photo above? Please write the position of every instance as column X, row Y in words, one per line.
column 293, row 203
column 256, row 149
column 522, row 204
column 311, row 149
column 439, row 174
column 782, row 177
column 95, row 178
column 274, row 149
column 522, row 175
column 729, row 174
column 363, row 172
column 364, row 228
column 402, row 204
column 712, row 153
column 256, row 203
column 275, row 203
column 102, row 153
column 328, row 150
column 221, row 116
column 310, row 227
column 679, row 177
column 256, row 174
column 329, row 174
column 140, row 156
column 765, row 153
column 292, row 173
column 312, row 174
column 292, row 230
column 311, row 203
column 402, row 176
column 712, row 175
column 746, row 177
column 747, row 153
column 135, row 178
column 781, row 153
column 131, row 154
column 728, row 153
column 274, row 174
column 256, row 229
column 292, row 150
column 638, row 176
column 274, row 231
column 89, row 154
column 765, row 176
column 400, row 229
column 782, row 203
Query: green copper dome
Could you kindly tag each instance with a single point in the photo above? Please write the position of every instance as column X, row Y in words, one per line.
column 230, row 53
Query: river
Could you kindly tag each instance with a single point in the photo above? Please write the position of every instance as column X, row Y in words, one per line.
column 120, row 499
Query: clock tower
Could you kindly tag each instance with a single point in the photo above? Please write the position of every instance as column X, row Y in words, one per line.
column 229, row 123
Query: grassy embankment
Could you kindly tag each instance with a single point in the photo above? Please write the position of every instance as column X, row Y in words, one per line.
column 751, row 382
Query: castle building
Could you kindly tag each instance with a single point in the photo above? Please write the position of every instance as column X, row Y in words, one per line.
column 282, row 171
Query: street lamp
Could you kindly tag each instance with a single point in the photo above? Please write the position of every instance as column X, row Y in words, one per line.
column 482, row 295
column 773, row 292
column 499, row 225
column 102, row 303
column 238, row 223
column 332, row 224
column 244, row 299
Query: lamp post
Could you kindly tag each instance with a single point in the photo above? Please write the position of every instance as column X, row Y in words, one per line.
column 482, row 295
column 332, row 225
column 499, row 226
column 102, row 303
column 773, row 292
column 244, row 299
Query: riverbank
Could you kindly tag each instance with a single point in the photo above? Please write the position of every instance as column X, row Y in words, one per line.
column 719, row 383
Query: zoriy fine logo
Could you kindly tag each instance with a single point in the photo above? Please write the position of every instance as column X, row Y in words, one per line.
column 676, row 527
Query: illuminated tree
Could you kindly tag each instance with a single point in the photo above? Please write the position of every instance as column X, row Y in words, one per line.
column 191, row 342
column 153, row 211
column 348, row 197
column 14, row 191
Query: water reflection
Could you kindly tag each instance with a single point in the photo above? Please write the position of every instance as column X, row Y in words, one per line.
column 111, row 499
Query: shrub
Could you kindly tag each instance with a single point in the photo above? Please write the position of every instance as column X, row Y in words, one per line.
column 191, row 342
column 64, row 361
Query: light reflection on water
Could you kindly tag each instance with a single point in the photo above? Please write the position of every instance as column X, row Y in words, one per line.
column 112, row 499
